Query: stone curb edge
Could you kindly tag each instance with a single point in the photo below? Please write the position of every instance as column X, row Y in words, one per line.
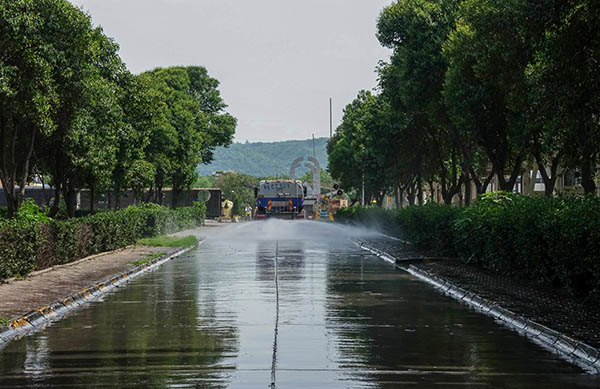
column 38, row 319
column 571, row 350
column 377, row 252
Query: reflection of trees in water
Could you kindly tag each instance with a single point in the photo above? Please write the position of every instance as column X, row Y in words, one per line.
column 147, row 336
column 383, row 321
column 290, row 260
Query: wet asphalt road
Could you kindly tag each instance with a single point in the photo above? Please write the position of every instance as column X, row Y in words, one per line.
column 281, row 304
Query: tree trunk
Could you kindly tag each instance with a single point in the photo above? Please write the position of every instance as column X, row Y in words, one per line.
column 399, row 195
column 44, row 194
column 481, row 187
column 11, row 201
column 14, row 165
column 55, row 207
column 159, row 195
column 549, row 180
column 70, row 196
column 150, row 195
column 587, row 175
column 92, row 199
column 420, row 189
column 467, row 185
column 432, row 191
column 410, row 193
column 503, row 183
column 174, row 197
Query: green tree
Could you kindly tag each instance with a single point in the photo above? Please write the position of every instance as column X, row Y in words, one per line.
column 195, row 124
column 360, row 150
column 237, row 187
column 34, row 37
column 82, row 151
column 565, row 78
column 413, row 83
column 134, row 169
column 485, row 86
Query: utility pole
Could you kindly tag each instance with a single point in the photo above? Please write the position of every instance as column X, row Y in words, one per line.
column 362, row 178
column 330, row 120
column 314, row 154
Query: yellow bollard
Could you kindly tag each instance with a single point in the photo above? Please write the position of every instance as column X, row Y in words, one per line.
column 331, row 216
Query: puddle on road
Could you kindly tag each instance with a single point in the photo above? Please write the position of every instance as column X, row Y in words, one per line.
column 346, row 319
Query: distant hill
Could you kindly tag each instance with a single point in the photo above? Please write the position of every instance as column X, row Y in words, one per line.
column 265, row 158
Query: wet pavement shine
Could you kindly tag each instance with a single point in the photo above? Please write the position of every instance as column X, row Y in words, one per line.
column 283, row 304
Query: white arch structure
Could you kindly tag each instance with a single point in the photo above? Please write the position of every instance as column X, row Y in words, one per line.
column 313, row 165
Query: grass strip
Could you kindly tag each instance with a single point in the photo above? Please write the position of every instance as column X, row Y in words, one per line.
column 169, row 241
column 4, row 321
column 148, row 258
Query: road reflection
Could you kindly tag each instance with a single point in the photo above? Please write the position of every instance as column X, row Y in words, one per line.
column 342, row 319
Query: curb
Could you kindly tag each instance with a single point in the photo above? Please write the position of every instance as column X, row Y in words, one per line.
column 38, row 319
column 377, row 252
column 569, row 349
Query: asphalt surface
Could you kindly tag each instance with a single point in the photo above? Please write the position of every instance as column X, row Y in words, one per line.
column 284, row 304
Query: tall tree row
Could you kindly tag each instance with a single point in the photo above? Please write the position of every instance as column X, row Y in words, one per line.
column 70, row 111
column 477, row 90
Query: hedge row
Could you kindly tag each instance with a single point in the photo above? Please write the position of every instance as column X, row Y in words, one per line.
column 552, row 239
column 27, row 245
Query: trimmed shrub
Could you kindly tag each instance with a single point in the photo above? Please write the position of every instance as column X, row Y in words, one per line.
column 429, row 227
column 33, row 242
column 554, row 240
column 20, row 242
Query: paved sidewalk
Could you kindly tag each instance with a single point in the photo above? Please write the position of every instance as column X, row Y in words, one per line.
column 20, row 296
column 550, row 307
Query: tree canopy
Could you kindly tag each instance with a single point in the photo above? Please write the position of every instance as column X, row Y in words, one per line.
column 72, row 112
column 474, row 90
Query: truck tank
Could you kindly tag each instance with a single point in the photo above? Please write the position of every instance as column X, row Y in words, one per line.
column 279, row 198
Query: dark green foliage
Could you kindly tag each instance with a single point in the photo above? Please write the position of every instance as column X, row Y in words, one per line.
column 19, row 243
column 429, row 227
column 555, row 241
column 31, row 212
column 26, row 245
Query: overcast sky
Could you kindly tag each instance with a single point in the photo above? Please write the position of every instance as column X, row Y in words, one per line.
column 278, row 61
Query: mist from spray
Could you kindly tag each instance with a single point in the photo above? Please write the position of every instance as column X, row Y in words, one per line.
column 278, row 229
